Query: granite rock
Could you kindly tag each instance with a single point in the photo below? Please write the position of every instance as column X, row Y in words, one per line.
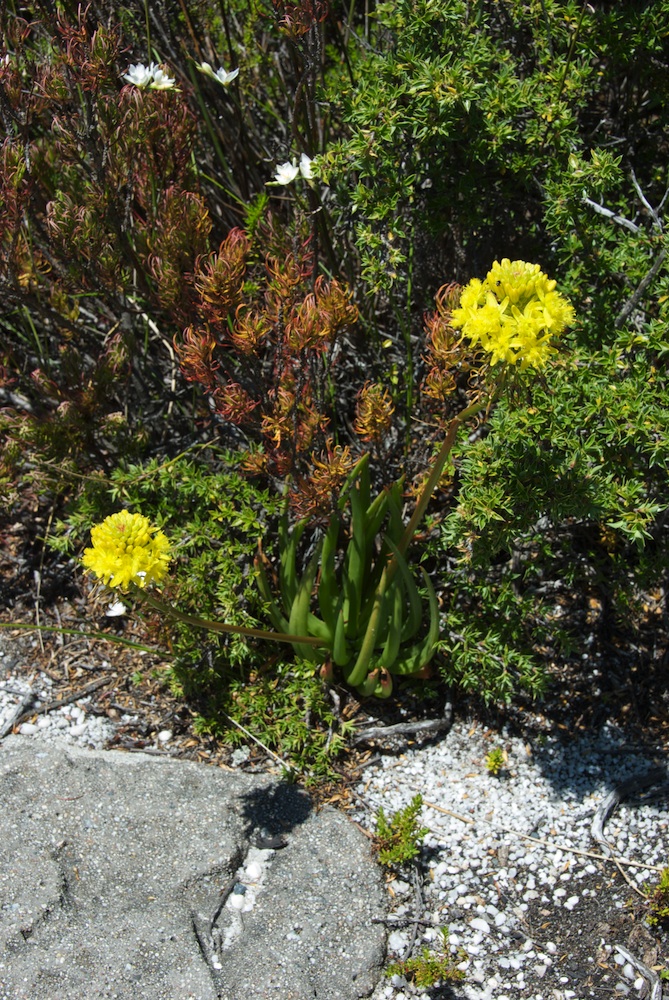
column 136, row 877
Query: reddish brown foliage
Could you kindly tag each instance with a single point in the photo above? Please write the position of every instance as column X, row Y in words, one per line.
column 263, row 354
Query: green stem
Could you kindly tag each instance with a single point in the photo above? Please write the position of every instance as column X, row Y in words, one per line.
column 213, row 626
column 147, row 25
column 106, row 636
column 435, row 474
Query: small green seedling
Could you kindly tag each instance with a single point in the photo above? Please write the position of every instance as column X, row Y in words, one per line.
column 398, row 838
column 429, row 968
column 658, row 900
column 495, row 761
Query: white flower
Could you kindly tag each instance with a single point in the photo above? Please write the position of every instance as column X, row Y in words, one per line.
column 226, row 78
column 286, row 172
column 161, row 81
column 221, row 75
column 140, row 75
column 305, row 167
column 150, row 76
column 116, row 609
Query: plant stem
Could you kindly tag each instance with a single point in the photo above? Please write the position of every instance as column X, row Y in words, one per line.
column 435, row 474
column 214, row 626
column 147, row 25
column 106, row 636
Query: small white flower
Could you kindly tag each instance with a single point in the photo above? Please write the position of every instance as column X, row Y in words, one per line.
column 116, row 609
column 140, row 75
column 305, row 167
column 226, row 78
column 161, row 81
column 221, row 75
column 286, row 172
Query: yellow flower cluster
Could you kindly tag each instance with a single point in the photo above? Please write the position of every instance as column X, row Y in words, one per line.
column 513, row 314
column 127, row 549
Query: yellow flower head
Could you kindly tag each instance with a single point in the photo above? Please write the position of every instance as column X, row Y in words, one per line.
column 127, row 549
column 513, row 314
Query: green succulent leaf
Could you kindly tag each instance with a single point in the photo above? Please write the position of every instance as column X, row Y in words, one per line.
column 340, row 650
column 419, row 655
column 415, row 616
column 288, row 542
column 355, row 564
column 328, row 588
column 369, row 685
column 279, row 621
column 395, row 624
column 298, row 623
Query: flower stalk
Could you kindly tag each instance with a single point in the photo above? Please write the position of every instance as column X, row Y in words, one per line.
column 437, row 469
column 215, row 626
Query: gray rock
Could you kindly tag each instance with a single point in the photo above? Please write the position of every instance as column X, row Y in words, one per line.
column 117, row 874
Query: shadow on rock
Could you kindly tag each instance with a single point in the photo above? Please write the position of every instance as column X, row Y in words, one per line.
column 273, row 811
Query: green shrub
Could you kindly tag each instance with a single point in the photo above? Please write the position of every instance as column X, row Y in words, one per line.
column 563, row 495
column 481, row 130
column 430, row 967
column 213, row 516
column 398, row 836
column 464, row 123
column 658, row 900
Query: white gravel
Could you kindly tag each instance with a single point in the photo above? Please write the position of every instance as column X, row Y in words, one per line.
column 482, row 880
column 73, row 722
